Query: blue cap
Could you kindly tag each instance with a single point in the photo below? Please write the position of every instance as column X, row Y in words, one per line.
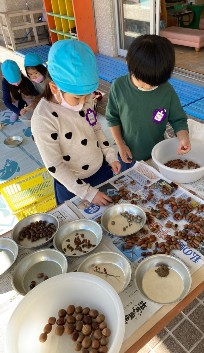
column 72, row 66
column 32, row 59
column 11, row 71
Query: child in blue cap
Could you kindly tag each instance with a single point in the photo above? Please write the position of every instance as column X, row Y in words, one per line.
column 65, row 127
column 35, row 70
column 18, row 91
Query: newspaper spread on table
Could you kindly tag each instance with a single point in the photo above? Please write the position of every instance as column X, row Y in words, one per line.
column 139, row 180
column 135, row 185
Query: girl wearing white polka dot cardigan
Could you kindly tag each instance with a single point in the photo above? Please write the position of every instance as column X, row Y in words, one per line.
column 65, row 128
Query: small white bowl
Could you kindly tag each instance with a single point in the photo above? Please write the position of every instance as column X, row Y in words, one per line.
column 165, row 151
column 84, row 230
column 8, row 254
column 48, row 262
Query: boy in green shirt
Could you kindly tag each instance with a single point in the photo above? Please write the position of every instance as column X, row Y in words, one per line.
column 142, row 103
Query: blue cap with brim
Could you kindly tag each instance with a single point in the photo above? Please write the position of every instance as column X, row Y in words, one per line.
column 32, row 59
column 11, row 71
column 72, row 66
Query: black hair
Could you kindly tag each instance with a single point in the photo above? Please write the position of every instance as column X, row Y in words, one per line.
column 151, row 59
column 40, row 68
column 22, row 87
column 47, row 94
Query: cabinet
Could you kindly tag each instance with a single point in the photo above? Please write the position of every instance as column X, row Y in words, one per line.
column 71, row 19
column 30, row 21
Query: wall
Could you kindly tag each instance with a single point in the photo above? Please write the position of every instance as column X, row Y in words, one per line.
column 105, row 27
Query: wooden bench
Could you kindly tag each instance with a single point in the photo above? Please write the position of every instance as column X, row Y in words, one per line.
column 184, row 36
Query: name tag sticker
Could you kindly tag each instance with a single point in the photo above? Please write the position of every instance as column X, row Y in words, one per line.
column 159, row 115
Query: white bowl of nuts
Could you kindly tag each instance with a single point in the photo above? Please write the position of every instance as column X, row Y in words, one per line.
column 184, row 168
column 68, row 313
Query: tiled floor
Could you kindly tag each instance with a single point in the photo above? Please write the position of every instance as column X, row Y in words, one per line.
column 185, row 334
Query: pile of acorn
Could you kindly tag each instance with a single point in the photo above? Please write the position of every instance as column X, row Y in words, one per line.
column 86, row 327
column 37, row 230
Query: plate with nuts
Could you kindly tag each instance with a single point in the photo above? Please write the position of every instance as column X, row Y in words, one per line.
column 123, row 219
column 110, row 266
column 66, row 314
column 163, row 279
column 35, row 231
column 37, row 268
column 78, row 238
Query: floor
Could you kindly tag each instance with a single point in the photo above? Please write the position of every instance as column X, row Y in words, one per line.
column 185, row 334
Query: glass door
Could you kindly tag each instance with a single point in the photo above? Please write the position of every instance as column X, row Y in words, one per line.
column 133, row 18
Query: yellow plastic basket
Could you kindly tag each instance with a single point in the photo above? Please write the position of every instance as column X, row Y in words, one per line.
column 30, row 193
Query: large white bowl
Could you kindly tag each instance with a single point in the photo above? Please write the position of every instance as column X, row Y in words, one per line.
column 165, row 151
column 80, row 289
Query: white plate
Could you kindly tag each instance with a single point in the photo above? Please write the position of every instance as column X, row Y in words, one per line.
column 110, row 266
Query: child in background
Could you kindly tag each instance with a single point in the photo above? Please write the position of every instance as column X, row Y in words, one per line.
column 35, row 70
column 142, row 103
column 65, row 128
column 18, row 91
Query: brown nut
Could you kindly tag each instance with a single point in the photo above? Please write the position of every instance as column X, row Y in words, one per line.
column 77, row 347
column 47, row 328
column 86, row 330
column 79, row 317
column 79, row 325
column 95, row 326
column 85, row 311
column 70, row 309
column 43, row 337
column 102, row 325
column 103, row 349
column 93, row 313
column 106, row 332
column 59, row 330
column 87, row 319
column 62, row 313
column 60, row 321
column 95, row 344
column 100, row 318
column 71, row 319
column 51, row 320
column 104, row 341
column 84, row 350
column 74, row 336
column 78, row 309
column 69, row 329
column 86, row 343
column 97, row 334
column 80, row 338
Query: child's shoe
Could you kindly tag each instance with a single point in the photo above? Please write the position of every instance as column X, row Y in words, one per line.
column 13, row 117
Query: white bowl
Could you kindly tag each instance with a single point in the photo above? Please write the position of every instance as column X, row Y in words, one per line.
column 8, row 254
column 80, row 289
column 49, row 262
column 165, row 151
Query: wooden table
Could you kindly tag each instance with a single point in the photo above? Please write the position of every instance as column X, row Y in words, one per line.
column 163, row 316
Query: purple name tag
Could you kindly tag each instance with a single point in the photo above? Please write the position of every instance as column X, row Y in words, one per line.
column 159, row 115
column 91, row 117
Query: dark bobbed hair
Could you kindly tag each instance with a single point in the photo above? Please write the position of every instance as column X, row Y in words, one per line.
column 40, row 68
column 151, row 59
column 47, row 94
column 22, row 87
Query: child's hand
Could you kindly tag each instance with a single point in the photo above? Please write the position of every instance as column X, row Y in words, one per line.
column 116, row 166
column 101, row 199
column 23, row 111
column 184, row 146
column 125, row 153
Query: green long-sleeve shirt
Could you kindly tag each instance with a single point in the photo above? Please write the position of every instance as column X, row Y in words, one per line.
column 143, row 115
